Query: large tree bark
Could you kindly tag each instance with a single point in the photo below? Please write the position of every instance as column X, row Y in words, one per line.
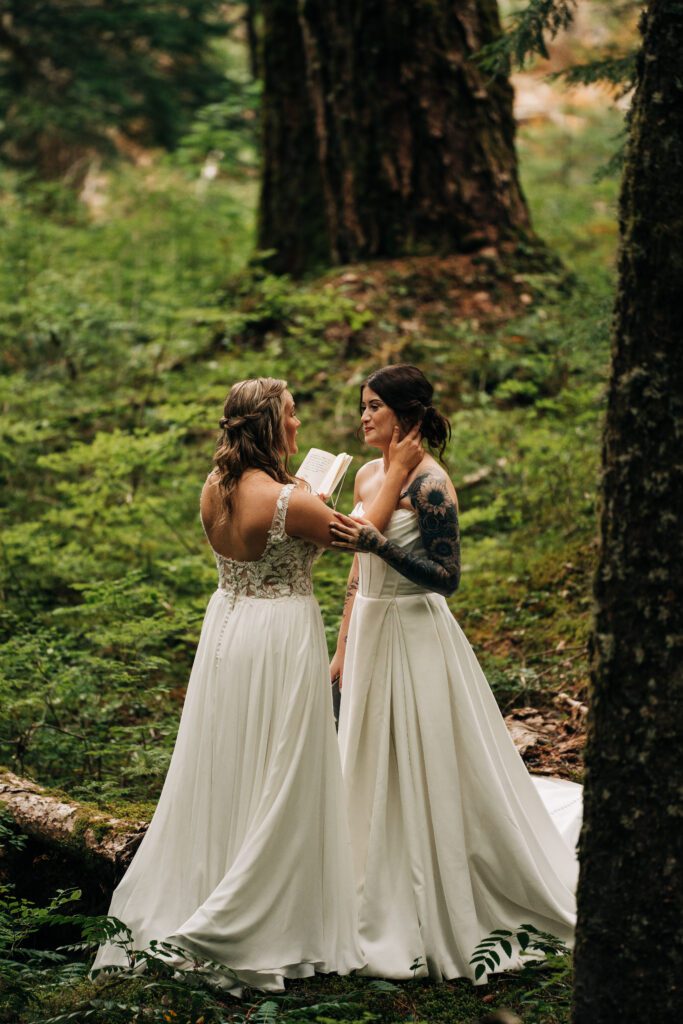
column 382, row 137
column 292, row 210
column 629, row 954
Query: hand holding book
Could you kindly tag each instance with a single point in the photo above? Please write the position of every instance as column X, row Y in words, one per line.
column 323, row 471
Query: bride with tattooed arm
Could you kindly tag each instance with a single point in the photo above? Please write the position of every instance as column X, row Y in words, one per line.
column 451, row 836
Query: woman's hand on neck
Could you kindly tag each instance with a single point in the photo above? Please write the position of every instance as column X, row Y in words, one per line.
column 403, row 451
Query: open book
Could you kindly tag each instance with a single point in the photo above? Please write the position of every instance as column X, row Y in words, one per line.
column 324, row 471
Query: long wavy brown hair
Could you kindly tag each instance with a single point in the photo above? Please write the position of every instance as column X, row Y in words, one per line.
column 252, row 434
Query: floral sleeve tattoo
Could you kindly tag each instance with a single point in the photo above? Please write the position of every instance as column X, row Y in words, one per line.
column 438, row 568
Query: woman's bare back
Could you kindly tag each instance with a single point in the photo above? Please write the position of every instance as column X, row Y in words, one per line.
column 242, row 533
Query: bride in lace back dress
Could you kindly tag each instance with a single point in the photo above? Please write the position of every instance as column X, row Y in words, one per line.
column 247, row 859
column 452, row 837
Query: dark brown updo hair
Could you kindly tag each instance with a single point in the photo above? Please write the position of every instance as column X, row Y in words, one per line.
column 252, row 434
column 408, row 393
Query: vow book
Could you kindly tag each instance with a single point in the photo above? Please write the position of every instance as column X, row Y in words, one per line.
column 323, row 471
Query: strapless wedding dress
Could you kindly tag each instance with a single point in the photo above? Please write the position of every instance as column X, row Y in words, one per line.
column 451, row 836
column 247, row 860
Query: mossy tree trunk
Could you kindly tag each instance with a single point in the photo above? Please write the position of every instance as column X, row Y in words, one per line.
column 629, row 954
column 381, row 136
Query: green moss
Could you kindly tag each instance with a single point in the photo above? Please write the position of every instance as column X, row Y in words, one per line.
column 129, row 810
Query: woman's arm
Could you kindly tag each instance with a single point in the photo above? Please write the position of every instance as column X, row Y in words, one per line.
column 404, row 456
column 439, row 568
column 309, row 518
column 337, row 663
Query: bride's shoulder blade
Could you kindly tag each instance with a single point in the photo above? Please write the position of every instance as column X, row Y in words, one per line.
column 254, row 503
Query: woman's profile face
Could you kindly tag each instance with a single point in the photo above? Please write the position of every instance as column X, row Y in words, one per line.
column 291, row 423
column 377, row 419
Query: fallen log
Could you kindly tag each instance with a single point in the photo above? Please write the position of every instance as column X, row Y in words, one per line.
column 106, row 844
column 76, row 830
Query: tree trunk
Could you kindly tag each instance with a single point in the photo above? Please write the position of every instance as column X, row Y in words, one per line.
column 291, row 214
column 398, row 143
column 71, row 828
column 253, row 44
column 629, row 954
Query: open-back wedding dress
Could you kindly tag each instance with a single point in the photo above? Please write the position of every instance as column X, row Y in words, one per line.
column 247, row 860
column 452, row 837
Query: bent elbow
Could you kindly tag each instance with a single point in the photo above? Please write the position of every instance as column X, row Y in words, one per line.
column 452, row 584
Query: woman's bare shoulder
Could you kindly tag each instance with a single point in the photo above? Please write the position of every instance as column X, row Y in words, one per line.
column 253, row 487
column 430, row 472
column 210, row 490
column 364, row 477
column 255, row 481
column 369, row 468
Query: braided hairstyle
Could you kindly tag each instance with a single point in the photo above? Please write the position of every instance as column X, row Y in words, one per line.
column 252, row 434
column 408, row 393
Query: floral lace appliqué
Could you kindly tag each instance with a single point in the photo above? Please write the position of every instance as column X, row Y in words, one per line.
column 283, row 569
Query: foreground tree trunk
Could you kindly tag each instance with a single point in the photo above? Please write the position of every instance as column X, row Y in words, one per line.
column 381, row 137
column 629, row 954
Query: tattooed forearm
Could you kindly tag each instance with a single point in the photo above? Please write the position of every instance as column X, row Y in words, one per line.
column 350, row 593
column 438, row 568
column 351, row 590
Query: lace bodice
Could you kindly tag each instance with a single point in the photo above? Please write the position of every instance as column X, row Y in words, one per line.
column 283, row 569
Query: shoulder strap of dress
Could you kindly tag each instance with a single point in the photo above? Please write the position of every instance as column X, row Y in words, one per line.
column 277, row 527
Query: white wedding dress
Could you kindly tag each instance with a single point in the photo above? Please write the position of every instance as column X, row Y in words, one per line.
column 452, row 837
column 247, row 860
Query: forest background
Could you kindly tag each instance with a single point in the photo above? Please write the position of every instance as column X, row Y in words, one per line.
column 132, row 296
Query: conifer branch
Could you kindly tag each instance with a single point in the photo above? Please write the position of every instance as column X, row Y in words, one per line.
column 615, row 71
column 527, row 34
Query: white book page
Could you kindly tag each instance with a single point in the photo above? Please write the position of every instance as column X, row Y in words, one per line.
column 334, row 474
column 315, row 467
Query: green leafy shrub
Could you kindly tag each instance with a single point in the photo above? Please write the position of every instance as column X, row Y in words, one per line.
column 120, row 334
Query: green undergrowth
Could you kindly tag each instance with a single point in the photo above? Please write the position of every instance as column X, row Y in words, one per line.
column 120, row 334
column 542, row 999
column 51, row 986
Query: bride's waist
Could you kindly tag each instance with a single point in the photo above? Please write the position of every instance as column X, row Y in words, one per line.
column 386, row 593
column 378, row 580
column 244, row 595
